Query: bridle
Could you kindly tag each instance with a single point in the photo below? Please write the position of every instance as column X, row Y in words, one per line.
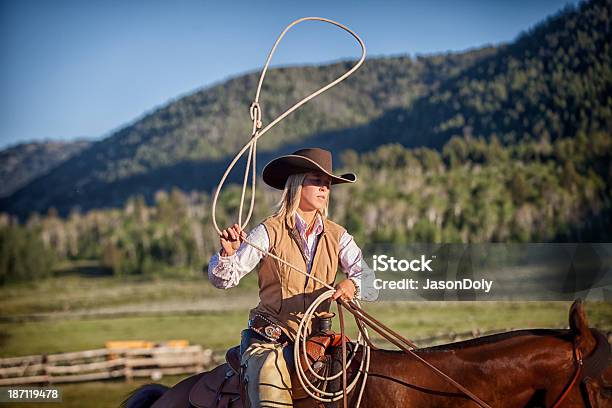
column 579, row 363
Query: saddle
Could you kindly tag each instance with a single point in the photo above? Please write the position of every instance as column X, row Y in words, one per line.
column 220, row 387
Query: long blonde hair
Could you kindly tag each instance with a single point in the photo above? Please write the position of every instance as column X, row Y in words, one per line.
column 290, row 200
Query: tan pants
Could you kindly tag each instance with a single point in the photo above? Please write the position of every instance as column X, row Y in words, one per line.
column 267, row 376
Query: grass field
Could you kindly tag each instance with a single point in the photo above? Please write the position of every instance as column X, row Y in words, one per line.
column 215, row 319
column 163, row 309
column 413, row 320
column 77, row 293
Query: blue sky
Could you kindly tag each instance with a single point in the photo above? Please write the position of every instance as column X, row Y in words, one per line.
column 75, row 69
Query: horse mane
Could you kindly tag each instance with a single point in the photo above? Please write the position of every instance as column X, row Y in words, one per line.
column 493, row 338
column 579, row 333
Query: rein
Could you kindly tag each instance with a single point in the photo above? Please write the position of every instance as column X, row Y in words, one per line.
column 361, row 317
column 579, row 364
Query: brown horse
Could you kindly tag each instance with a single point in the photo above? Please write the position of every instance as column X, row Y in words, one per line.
column 526, row 368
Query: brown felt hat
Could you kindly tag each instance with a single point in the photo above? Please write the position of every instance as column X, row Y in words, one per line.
column 276, row 172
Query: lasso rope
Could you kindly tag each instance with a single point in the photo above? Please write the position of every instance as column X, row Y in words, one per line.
column 257, row 132
column 300, row 347
column 351, row 306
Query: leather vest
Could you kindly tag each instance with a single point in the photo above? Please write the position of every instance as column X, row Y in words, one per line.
column 284, row 293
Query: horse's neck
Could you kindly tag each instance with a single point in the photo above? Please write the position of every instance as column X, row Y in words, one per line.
column 518, row 346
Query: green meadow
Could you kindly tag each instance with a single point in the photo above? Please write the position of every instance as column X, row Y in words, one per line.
column 72, row 313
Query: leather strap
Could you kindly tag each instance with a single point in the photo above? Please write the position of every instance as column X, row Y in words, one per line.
column 568, row 387
column 344, row 386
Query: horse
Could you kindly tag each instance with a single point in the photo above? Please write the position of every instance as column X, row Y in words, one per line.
column 523, row 368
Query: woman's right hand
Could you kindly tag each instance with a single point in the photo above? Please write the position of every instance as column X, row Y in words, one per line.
column 230, row 240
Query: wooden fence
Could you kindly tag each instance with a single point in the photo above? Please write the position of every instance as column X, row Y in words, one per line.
column 91, row 365
column 131, row 359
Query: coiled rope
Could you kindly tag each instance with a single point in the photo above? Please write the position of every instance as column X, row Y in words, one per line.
column 300, row 347
column 352, row 306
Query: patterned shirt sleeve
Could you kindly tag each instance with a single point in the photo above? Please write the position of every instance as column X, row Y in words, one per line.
column 353, row 264
column 225, row 272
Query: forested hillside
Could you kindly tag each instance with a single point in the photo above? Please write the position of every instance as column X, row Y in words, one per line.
column 554, row 81
column 472, row 191
column 24, row 162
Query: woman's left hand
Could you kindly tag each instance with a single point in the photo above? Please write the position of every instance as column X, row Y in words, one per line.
column 345, row 290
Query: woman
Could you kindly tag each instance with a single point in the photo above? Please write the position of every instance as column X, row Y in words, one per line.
column 301, row 234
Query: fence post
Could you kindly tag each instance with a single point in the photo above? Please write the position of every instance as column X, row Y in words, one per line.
column 45, row 362
column 127, row 370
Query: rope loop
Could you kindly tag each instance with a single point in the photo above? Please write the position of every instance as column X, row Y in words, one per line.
column 257, row 131
column 255, row 111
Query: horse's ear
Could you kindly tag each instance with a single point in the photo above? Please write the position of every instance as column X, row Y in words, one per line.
column 580, row 327
column 577, row 318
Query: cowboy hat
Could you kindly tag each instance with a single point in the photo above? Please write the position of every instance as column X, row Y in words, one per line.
column 276, row 172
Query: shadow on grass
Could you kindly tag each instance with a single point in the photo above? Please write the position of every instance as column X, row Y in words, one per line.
column 4, row 338
column 86, row 269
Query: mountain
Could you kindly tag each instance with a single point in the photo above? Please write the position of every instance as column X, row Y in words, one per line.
column 553, row 82
column 24, row 162
column 187, row 142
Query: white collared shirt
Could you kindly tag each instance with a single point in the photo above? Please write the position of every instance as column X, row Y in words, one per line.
column 226, row 271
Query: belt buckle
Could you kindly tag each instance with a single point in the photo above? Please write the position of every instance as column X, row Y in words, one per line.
column 272, row 332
